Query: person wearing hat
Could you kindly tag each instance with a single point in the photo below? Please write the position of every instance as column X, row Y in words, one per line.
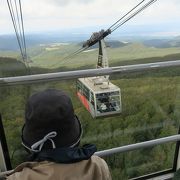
column 52, row 134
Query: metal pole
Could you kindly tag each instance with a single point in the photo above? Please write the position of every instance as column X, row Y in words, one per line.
column 85, row 73
column 136, row 146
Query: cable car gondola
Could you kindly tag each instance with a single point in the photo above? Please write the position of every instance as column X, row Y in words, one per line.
column 99, row 96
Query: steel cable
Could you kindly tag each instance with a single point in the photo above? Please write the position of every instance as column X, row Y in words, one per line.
column 132, row 15
column 65, row 59
column 126, row 14
column 118, row 23
column 16, row 16
column 23, row 34
column 17, row 20
column 10, row 6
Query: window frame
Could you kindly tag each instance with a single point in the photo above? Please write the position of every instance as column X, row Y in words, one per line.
column 4, row 146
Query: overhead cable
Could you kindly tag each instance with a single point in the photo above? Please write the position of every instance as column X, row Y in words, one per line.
column 65, row 60
column 17, row 20
column 23, row 34
column 132, row 15
column 102, row 34
column 126, row 14
column 13, row 18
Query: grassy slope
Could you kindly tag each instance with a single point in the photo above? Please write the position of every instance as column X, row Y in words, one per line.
column 54, row 58
column 12, row 54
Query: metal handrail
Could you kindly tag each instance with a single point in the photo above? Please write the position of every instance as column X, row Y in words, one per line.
column 136, row 146
column 127, row 148
column 85, row 73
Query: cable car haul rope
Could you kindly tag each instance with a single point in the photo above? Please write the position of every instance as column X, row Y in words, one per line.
column 15, row 10
column 97, row 36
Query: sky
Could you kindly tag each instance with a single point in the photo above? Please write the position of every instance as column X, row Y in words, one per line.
column 66, row 15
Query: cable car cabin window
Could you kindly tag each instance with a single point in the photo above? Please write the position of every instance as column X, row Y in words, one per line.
column 83, row 90
column 86, row 92
column 79, row 86
column 91, row 99
column 108, row 102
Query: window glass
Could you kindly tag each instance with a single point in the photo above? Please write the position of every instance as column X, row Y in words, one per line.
column 150, row 102
column 149, row 107
column 108, row 102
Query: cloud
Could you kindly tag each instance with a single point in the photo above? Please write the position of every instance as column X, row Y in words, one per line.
column 67, row 2
column 45, row 15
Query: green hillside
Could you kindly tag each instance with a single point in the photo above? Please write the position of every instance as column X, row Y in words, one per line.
column 53, row 57
column 11, row 67
column 150, row 105
column 150, row 110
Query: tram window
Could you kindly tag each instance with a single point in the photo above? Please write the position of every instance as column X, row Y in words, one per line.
column 115, row 103
column 78, row 85
column 150, row 111
column 92, row 98
column 83, row 89
column 108, row 102
column 86, row 92
column 141, row 120
column 150, row 97
column 114, row 93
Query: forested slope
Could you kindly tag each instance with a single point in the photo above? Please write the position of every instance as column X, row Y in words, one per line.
column 150, row 109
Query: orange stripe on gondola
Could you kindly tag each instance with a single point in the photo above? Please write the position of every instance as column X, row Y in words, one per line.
column 84, row 101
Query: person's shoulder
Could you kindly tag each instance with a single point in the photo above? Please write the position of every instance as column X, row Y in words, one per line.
column 101, row 164
column 27, row 169
column 97, row 159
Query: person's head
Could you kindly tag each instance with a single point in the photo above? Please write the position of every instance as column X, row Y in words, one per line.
column 50, row 122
